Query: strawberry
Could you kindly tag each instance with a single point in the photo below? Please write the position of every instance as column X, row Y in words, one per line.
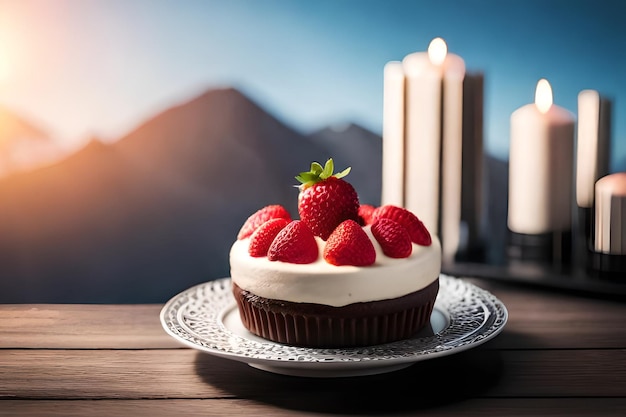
column 418, row 232
column 348, row 244
column 260, row 217
column 295, row 244
column 263, row 236
column 325, row 200
column 393, row 238
column 365, row 213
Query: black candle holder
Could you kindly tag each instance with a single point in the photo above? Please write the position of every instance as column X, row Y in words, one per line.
column 532, row 259
column 554, row 247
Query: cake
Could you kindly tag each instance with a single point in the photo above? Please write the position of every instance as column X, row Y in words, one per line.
column 341, row 275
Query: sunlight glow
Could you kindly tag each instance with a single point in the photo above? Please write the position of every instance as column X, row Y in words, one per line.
column 437, row 51
column 4, row 65
column 543, row 96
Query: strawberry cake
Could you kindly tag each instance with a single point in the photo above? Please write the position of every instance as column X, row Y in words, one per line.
column 341, row 275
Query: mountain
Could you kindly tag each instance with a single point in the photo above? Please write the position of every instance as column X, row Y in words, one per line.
column 153, row 213
column 149, row 215
column 222, row 140
column 24, row 145
column 360, row 149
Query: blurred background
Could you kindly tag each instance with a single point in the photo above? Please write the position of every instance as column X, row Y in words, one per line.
column 137, row 136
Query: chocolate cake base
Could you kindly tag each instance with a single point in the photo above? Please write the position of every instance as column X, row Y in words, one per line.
column 318, row 325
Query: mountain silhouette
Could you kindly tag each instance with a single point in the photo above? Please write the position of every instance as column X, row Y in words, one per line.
column 147, row 216
column 155, row 212
column 223, row 138
column 23, row 144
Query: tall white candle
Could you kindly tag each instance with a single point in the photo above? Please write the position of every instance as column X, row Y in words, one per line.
column 593, row 139
column 434, row 101
column 452, row 156
column 541, row 166
column 393, row 135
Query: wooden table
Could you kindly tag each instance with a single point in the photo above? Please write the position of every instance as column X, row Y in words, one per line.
column 559, row 355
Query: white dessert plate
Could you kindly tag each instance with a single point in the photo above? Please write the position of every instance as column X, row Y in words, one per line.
column 205, row 317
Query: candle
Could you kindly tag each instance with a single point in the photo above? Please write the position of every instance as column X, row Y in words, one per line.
column 393, row 135
column 472, row 166
column 608, row 256
column 432, row 144
column 610, row 216
column 592, row 161
column 434, row 108
column 540, row 166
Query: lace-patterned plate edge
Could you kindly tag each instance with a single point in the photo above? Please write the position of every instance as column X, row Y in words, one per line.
column 194, row 318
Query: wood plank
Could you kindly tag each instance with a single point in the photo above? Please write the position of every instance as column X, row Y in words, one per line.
column 537, row 320
column 185, row 373
column 586, row 323
column 549, row 319
column 492, row 407
column 83, row 326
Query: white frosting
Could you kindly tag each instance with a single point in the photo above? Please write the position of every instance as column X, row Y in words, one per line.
column 322, row 283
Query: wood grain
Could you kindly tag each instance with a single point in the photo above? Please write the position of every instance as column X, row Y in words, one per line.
column 78, row 326
column 184, row 373
column 559, row 355
column 527, row 407
column 553, row 320
column 537, row 320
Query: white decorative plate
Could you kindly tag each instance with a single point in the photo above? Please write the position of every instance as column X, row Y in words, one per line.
column 205, row 317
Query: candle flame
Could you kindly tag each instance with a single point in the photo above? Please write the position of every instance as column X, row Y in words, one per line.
column 437, row 51
column 543, row 96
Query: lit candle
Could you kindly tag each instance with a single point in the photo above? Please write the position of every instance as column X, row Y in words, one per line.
column 432, row 144
column 434, row 108
column 541, row 166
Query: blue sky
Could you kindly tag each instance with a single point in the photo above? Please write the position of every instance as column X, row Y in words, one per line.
column 103, row 66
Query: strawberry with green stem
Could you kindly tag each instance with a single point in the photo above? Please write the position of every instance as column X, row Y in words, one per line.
column 325, row 199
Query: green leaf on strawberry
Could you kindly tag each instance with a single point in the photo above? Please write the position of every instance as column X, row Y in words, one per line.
column 316, row 168
column 319, row 173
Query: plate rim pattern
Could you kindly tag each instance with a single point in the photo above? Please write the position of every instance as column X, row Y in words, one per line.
column 194, row 317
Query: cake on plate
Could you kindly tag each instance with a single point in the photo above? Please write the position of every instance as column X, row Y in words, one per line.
column 340, row 275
